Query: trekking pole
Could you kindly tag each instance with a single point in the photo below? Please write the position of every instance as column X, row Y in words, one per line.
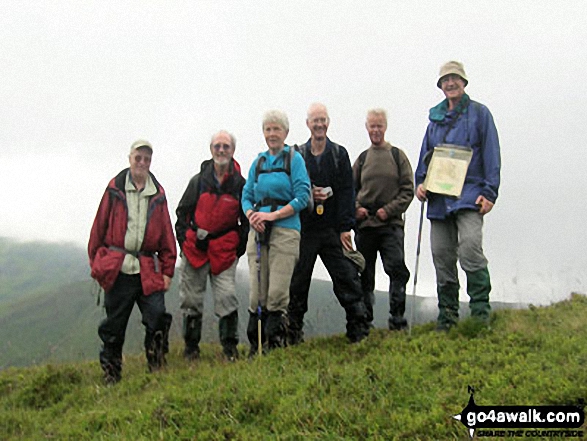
column 416, row 269
column 259, row 310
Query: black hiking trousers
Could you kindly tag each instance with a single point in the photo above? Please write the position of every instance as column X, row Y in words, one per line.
column 343, row 273
column 119, row 302
column 389, row 242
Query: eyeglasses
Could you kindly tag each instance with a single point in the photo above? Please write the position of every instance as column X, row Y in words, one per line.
column 141, row 158
column 319, row 121
column 222, row 146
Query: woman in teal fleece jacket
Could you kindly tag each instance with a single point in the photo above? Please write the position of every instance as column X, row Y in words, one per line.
column 275, row 193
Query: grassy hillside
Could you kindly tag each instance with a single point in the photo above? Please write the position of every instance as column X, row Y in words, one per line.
column 60, row 324
column 48, row 310
column 392, row 386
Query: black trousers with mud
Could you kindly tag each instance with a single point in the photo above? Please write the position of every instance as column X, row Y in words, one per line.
column 119, row 302
column 389, row 242
column 346, row 283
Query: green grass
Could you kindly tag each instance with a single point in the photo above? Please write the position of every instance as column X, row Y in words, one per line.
column 392, row 386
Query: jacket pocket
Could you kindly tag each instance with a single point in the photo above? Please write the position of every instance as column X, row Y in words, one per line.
column 106, row 266
column 151, row 274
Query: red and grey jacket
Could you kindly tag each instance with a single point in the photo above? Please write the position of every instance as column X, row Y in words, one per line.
column 106, row 246
column 215, row 210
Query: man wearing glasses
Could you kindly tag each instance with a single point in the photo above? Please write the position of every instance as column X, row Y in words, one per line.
column 212, row 234
column 457, row 223
column 132, row 256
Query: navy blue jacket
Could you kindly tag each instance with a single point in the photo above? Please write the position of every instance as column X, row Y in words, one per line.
column 339, row 210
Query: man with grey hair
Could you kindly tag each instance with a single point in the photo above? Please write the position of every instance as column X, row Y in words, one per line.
column 385, row 188
column 212, row 234
column 326, row 230
column 457, row 224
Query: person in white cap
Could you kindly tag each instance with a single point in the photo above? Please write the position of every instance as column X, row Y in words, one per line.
column 132, row 256
column 456, row 224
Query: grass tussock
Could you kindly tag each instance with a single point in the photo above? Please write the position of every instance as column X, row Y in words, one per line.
column 392, row 386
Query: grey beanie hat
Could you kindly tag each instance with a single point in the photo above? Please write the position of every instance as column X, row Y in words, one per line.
column 452, row 67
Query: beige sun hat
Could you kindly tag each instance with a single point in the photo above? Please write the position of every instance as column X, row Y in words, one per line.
column 141, row 143
column 452, row 67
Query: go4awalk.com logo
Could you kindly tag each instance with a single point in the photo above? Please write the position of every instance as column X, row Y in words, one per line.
column 522, row 421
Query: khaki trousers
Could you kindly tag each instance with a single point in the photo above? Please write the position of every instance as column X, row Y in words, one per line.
column 274, row 269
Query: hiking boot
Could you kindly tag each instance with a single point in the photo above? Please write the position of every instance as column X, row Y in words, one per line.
column 228, row 331
column 448, row 305
column 478, row 288
column 276, row 330
column 357, row 338
column 397, row 323
column 191, row 353
column 111, row 380
column 295, row 337
column 253, row 330
column 154, row 350
column 253, row 351
column 112, row 374
column 230, row 352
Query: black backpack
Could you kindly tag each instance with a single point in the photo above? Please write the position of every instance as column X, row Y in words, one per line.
column 286, row 164
column 285, row 169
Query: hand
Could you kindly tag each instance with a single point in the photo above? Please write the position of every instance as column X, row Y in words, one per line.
column 361, row 213
column 421, row 193
column 166, row 282
column 318, row 195
column 346, row 240
column 485, row 205
column 258, row 219
column 382, row 214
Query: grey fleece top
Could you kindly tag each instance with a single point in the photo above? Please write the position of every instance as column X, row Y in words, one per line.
column 382, row 186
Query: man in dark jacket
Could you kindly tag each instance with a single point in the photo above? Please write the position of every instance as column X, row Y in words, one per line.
column 326, row 231
column 457, row 223
column 212, row 234
column 385, row 188
column 132, row 256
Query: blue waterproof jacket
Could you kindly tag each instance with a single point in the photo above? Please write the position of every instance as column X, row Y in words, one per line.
column 474, row 128
column 293, row 188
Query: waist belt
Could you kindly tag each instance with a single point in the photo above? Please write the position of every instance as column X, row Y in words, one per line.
column 216, row 235
column 270, row 202
column 137, row 254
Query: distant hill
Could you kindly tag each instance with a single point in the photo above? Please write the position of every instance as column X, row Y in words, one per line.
column 49, row 311
column 27, row 268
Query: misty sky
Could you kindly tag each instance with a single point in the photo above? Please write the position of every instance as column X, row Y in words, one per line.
column 80, row 81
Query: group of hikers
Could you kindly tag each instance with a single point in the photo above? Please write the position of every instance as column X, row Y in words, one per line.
column 297, row 203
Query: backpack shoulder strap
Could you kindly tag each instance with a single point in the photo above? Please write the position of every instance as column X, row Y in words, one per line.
column 395, row 154
column 287, row 160
column 336, row 156
column 259, row 167
column 286, row 164
column 360, row 164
